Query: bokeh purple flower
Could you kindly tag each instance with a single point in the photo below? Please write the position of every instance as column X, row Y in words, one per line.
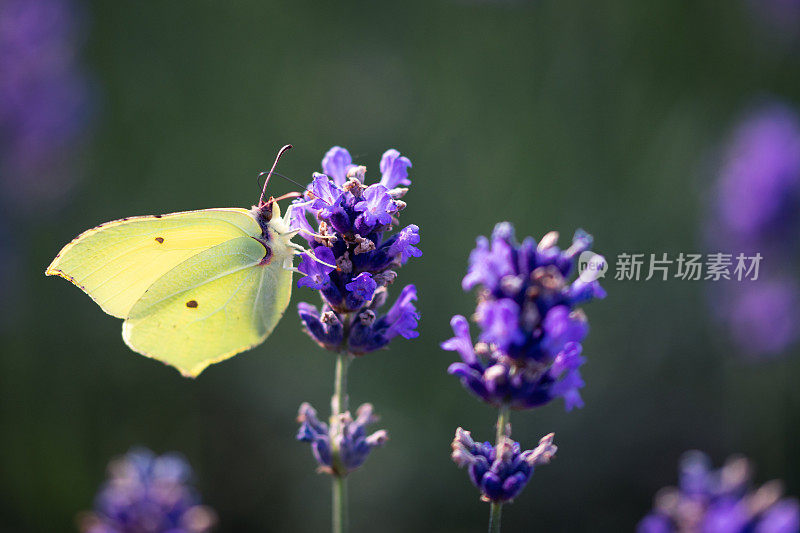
column 349, row 225
column 346, row 436
column 721, row 501
column 146, row 493
column 500, row 472
column 529, row 349
column 781, row 17
column 44, row 97
column 759, row 182
column 758, row 211
column 763, row 316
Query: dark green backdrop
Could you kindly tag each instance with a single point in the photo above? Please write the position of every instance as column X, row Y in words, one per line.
column 553, row 115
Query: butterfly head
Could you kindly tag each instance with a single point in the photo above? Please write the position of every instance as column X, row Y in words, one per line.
column 268, row 216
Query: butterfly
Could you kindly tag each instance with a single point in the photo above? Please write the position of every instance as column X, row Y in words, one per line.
column 194, row 288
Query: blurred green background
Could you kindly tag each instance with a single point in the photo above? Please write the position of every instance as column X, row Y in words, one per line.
column 552, row 115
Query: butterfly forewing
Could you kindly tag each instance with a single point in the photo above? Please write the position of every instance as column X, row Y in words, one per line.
column 115, row 263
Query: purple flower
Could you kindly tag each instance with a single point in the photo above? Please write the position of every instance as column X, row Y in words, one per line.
column 402, row 318
column 763, row 315
column 148, row 493
column 498, row 381
column 499, row 472
column 351, row 229
column 531, row 330
column 566, row 377
column 721, row 501
column 363, row 286
column 403, row 245
column 326, row 195
column 758, row 211
column 316, row 272
column 298, row 220
column 781, row 16
column 489, row 263
column 376, row 206
column 324, row 327
column 336, row 164
column 346, row 435
column 44, row 96
column 360, row 290
column 394, row 169
column 368, row 331
column 759, row 182
column 499, row 319
column 562, row 326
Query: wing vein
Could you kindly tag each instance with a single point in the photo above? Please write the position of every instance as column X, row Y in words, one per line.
column 204, row 282
column 176, row 224
column 258, row 297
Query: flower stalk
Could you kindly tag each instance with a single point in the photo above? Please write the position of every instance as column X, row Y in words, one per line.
column 353, row 258
column 503, row 423
column 339, row 519
column 339, row 523
column 339, row 398
column 495, row 514
column 528, row 351
column 503, row 430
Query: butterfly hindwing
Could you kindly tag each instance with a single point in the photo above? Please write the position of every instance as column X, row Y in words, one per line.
column 212, row 306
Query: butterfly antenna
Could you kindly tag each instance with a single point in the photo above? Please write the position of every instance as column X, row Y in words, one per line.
column 277, row 158
column 286, row 178
column 305, row 189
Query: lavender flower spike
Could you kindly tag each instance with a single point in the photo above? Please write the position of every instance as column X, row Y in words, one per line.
column 352, row 229
column 721, row 501
column 758, row 190
column 500, row 472
column 45, row 99
column 148, row 493
column 758, row 211
column 529, row 350
column 348, row 436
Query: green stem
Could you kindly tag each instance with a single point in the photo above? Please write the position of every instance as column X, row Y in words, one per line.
column 503, row 418
column 339, row 522
column 339, row 399
column 496, row 508
column 339, row 518
column 495, row 513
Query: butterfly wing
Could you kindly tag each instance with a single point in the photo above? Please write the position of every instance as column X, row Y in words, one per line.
column 212, row 306
column 116, row 262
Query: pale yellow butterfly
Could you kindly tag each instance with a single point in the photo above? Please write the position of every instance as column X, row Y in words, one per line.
column 194, row 288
